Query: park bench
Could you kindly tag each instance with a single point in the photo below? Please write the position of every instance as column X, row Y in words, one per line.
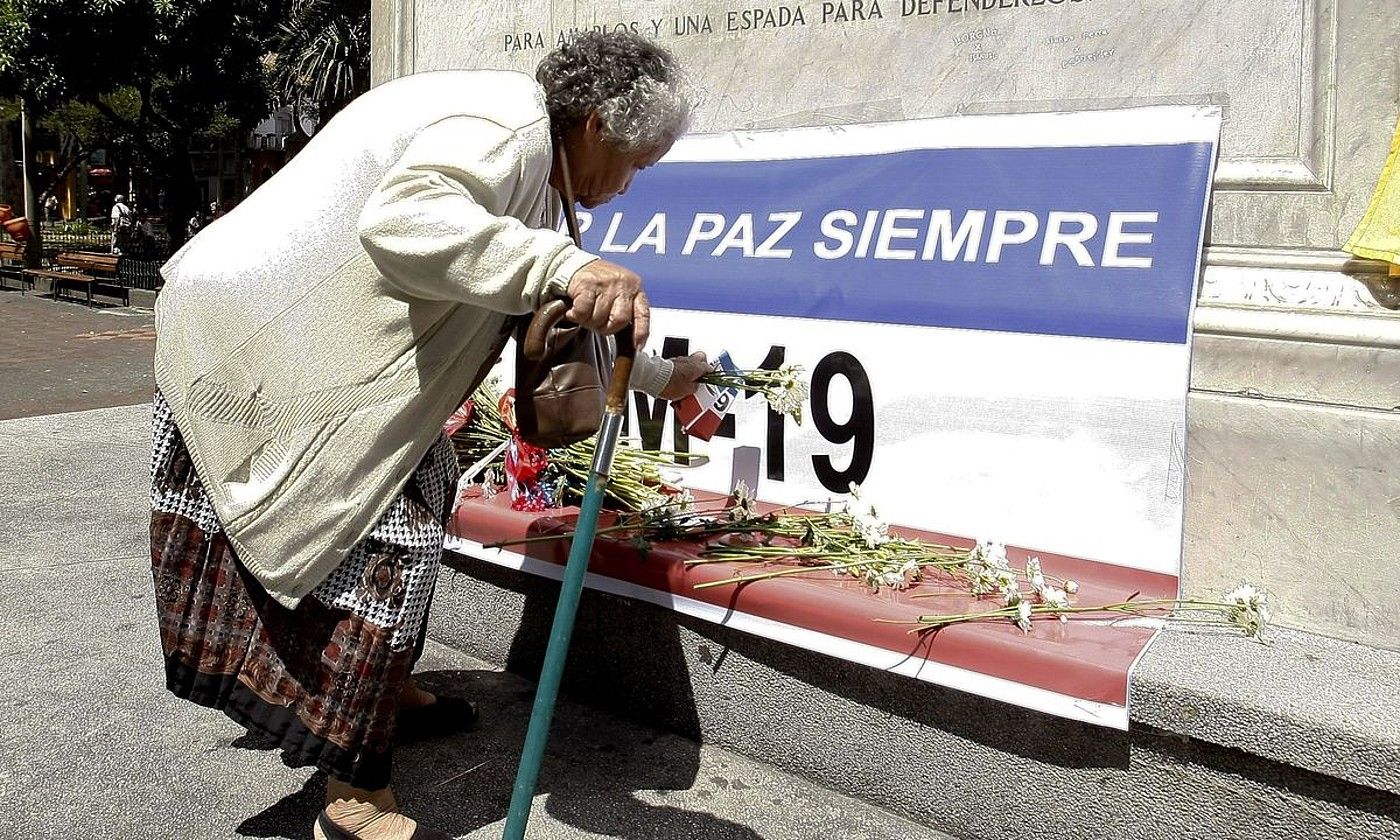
column 12, row 265
column 87, row 271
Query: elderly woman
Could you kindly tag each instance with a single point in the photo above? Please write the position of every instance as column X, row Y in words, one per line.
column 310, row 345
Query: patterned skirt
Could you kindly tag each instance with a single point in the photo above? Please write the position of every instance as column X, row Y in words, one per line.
column 321, row 681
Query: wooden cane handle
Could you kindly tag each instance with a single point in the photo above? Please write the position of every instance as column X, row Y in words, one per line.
column 622, row 371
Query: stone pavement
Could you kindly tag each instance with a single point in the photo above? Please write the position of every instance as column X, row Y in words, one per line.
column 63, row 356
column 91, row 746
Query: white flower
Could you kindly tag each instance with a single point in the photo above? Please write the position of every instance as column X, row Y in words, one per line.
column 789, row 401
column 1072, row 587
column 865, row 521
column 993, row 554
column 1023, row 616
column 743, row 506
column 1249, row 609
column 666, row 508
column 982, row 583
column 989, row 571
column 683, row 509
column 894, row 580
column 878, row 575
column 1243, row 594
column 654, row 505
column 787, row 392
column 1011, row 594
column 871, row 528
column 1033, row 574
column 1052, row 597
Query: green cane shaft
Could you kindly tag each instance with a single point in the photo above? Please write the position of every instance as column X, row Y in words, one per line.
column 555, row 656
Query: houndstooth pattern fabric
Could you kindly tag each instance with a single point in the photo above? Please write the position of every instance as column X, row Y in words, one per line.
column 389, row 576
column 394, row 589
column 187, row 500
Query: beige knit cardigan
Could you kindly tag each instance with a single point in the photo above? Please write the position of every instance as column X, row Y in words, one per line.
column 312, row 342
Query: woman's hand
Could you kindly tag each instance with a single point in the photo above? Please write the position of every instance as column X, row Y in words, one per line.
column 685, row 376
column 607, row 297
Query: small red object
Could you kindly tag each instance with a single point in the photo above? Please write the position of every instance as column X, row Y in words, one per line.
column 461, row 417
column 525, row 463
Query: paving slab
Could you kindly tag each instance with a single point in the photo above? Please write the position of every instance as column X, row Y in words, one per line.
column 64, row 356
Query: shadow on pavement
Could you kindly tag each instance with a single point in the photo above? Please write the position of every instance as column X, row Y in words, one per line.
column 462, row 783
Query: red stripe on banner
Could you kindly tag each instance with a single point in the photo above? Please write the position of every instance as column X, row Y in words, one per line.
column 1079, row 658
column 705, row 425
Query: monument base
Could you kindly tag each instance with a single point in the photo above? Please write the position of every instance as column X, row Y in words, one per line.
column 1227, row 738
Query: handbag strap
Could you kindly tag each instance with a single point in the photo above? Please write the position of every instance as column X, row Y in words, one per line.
column 620, row 349
column 567, row 197
column 554, row 314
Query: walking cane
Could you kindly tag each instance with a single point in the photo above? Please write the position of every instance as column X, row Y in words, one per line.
column 558, row 650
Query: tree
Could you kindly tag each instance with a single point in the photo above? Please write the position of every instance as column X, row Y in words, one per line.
column 163, row 73
column 321, row 56
column 79, row 128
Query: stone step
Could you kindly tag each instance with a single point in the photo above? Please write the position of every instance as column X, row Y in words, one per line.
column 1297, row 739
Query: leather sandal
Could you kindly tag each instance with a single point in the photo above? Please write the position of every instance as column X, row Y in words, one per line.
column 325, row 829
column 444, row 716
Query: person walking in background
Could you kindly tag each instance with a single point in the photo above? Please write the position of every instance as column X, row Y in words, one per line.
column 122, row 219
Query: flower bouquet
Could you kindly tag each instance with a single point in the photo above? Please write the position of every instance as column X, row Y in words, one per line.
column 851, row 540
column 783, row 388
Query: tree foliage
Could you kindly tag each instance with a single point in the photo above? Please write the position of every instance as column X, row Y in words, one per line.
column 321, row 55
column 157, row 76
column 161, row 74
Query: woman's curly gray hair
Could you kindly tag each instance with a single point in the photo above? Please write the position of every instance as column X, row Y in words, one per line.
column 633, row 84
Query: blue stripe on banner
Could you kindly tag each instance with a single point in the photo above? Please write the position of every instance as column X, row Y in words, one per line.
column 878, row 238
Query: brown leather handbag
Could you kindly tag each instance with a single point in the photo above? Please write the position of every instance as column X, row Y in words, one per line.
column 561, row 368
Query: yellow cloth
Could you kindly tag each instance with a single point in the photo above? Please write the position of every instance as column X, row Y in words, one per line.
column 1377, row 237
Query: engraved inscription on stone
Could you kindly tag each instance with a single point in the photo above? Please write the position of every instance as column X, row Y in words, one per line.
column 815, row 62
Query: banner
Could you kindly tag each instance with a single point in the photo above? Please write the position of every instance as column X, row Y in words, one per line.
column 994, row 312
column 995, row 315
